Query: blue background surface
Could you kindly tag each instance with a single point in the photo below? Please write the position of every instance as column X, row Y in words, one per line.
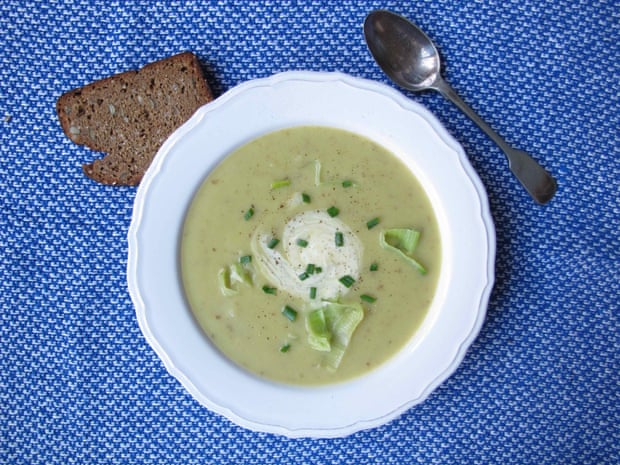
column 540, row 385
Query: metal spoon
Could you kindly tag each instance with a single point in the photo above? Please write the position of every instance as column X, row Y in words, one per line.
column 411, row 60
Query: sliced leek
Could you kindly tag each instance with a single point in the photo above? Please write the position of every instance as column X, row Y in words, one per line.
column 240, row 274
column 230, row 277
column 330, row 329
column 280, row 183
column 319, row 337
column 403, row 241
column 317, row 172
column 223, row 281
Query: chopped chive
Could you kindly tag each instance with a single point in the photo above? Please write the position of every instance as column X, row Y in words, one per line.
column 248, row 214
column 333, row 211
column 245, row 259
column 339, row 239
column 280, row 183
column 313, row 292
column 372, row 223
column 302, row 243
column 368, row 298
column 347, row 183
column 305, row 197
column 303, row 276
column 273, row 242
column 285, row 348
column 374, row 267
column 289, row 313
column 318, row 269
column 270, row 290
column 310, row 269
column 347, row 280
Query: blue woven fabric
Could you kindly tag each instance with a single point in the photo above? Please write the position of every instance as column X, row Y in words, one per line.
column 79, row 384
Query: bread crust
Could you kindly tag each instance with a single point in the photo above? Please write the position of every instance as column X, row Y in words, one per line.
column 129, row 115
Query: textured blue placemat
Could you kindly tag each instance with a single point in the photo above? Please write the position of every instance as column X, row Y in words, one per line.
column 540, row 385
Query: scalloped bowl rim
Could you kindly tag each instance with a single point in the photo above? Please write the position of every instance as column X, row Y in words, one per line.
column 373, row 110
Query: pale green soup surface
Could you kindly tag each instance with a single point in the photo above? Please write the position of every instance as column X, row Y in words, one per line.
column 332, row 168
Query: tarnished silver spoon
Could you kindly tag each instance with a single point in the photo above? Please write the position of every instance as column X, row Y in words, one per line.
column 411, row 60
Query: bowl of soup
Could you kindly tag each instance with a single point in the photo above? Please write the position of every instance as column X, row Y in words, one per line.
column 311, row 254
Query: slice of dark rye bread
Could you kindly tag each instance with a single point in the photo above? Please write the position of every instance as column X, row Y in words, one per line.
column 130, row 115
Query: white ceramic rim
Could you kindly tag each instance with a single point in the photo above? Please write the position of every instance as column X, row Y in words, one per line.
column 373, row 110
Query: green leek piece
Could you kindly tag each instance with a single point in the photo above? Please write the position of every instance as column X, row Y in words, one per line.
column 319, row 337
column 230, row 276
column 403, row 241
column 317, row 172
column 248, row 214
column 342, row 320
column 330, row 329
column 305, row 198
column 224, row 282
column 280, row 183
column 347, row 183
column 285, row 348
column 239, row 273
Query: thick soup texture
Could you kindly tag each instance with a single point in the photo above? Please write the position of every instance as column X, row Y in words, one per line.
column 310, row 255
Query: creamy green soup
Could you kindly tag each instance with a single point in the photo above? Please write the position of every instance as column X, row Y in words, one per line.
column 310, row 255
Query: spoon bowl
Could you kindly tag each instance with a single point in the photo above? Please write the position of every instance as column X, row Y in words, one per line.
column 409, row 57
column 404, row 53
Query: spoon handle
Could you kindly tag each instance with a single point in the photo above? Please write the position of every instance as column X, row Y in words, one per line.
column 536, row 180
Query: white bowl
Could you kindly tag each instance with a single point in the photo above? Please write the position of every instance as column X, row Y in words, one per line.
column 327, row 99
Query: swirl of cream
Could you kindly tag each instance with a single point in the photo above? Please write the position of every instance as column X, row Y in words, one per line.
column 282, row 266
